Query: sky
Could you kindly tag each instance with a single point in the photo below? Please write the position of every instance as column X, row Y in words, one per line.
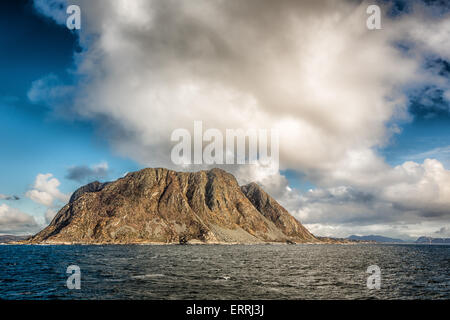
column 363, row 115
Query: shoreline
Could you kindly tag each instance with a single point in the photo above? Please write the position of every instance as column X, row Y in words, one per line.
column 178, row 244
column 215, row 244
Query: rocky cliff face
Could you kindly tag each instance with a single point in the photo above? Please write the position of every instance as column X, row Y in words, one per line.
column 164, row 206
column 274, row 212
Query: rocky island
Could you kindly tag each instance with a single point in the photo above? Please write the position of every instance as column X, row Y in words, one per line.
column 165, row 206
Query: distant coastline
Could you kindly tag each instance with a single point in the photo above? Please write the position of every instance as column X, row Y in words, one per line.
column 22, row 240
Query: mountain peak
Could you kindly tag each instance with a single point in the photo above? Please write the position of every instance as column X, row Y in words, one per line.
column 165, row 206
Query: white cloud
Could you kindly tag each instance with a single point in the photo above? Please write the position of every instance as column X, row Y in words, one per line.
column 411, row 198
column 45, row 190
column 422, row 187
column 14, row 221
column 314, row 76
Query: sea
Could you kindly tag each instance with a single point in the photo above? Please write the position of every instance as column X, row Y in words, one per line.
column 302, row 271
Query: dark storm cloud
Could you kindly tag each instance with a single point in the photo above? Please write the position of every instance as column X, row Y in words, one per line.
column 341, row 195
column 6, row 197
column 432, row 100
column 429, row 102
column 84, row 173
column 442, row 230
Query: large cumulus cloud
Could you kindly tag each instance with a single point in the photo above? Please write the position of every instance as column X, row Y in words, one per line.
column 46, row 191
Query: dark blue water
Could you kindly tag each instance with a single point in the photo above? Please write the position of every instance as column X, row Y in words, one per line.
column 226, row 272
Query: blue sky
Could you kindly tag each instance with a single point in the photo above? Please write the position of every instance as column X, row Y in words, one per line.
column 33, row 139
column 37, row 139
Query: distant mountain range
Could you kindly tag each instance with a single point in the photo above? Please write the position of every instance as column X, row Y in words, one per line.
column 375, row 238
column 383, row 239
column 10, row 238
column 432, row 240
